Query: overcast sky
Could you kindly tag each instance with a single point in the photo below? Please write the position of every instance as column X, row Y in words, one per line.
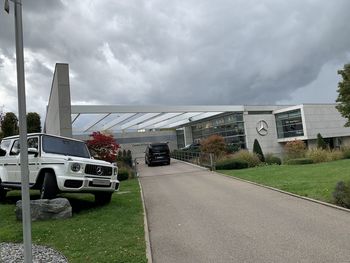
column 179, row 52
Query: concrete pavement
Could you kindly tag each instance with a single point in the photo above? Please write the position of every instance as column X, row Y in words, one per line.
column 195, row 215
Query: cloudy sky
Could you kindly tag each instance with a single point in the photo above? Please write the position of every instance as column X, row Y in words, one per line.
column 179, row 52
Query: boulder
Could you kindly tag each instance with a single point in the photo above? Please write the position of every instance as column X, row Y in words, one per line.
column 44, row 209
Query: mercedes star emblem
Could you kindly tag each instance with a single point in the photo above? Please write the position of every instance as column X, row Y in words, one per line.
column 99, row 170
column 262, row 127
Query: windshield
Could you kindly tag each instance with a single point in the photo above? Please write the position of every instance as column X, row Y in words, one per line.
column 160, row 148
column 65, row 147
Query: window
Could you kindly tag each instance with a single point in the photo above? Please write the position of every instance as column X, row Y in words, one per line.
column 65, row 147
column 32, row 143
column 289, row 124
column 230, row 126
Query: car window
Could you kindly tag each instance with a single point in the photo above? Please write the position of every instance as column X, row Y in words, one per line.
column 15, row 148
column 32, row 143
column 65, row 146
column 4, row 146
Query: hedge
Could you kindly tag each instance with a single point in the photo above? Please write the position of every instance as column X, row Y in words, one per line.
column 231, row 164
column 299, row 161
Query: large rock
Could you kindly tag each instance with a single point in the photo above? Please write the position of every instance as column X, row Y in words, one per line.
column 44, row 209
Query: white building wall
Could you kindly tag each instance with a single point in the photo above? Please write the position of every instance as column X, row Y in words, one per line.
column 324, row 119
column 268, row 142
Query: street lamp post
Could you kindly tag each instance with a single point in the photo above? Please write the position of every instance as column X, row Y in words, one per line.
column 26, row 217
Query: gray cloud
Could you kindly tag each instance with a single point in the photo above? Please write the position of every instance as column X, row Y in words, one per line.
column 180, row 52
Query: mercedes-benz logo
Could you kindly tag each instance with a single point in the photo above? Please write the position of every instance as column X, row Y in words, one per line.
column 99, row 170
column 261, row 127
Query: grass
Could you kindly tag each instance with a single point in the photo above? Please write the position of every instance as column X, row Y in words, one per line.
column 110, row 233
column 313, row 180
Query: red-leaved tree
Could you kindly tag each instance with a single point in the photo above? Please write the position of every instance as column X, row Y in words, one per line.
column 103, row 146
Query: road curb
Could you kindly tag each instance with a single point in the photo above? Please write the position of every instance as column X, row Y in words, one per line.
column 287, row 193
column 145, row 222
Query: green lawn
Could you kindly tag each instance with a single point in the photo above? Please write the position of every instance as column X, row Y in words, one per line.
column 312, row 180
column 111, row 233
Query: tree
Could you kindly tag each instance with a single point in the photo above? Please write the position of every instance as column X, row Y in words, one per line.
column 33, row 122
column 257, row 149
column 103, row 146
column 321, row 144
column 9, row 125
column 214, row 144
column 344, row 94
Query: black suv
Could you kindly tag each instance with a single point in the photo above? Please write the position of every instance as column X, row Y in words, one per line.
column 157, row 153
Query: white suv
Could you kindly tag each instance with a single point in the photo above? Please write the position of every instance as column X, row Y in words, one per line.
column 56, row 164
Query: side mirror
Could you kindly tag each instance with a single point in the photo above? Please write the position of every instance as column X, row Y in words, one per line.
column 33, row 151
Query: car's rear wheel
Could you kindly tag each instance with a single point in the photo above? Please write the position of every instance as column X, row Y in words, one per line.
column 103, row 198
column 49, row 187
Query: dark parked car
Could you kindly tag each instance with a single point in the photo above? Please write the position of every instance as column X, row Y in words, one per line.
column 157, row 153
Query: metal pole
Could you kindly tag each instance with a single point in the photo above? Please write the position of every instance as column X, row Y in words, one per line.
column 22, row 116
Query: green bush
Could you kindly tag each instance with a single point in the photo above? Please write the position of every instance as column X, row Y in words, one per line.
column 251, row 158
column 271, row 159
column 346, row 152
column 341, row 194
column 123, row 174
column 317, row 155
column 299, row 161
column 231, row 164
column 321, row 144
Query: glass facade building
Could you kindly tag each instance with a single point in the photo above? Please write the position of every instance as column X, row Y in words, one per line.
column 230, row 126
column 289, row 124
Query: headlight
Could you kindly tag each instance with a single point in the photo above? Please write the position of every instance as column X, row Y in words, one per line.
column 75, row 167
column 115, row 171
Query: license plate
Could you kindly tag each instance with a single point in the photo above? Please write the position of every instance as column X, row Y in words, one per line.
column 100, row 182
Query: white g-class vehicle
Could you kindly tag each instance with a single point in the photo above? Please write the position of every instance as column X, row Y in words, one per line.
column 56, row 164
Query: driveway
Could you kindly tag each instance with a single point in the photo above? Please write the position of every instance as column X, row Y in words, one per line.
column 195, row 215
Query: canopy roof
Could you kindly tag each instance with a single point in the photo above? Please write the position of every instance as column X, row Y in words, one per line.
column 116, row 118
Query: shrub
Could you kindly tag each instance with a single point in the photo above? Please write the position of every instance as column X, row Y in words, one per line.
column 232, row 148
column 299, row 161
column 321, row 144
column 257, row 149
column 214, row 144
column 251, row 158
column 341, row 194
column 123, row 174
column 317, row 155
column 103, row 146
column 230, row 164
column 271, row 159
column 295, row 149
column 335, row 155
column 346, row 152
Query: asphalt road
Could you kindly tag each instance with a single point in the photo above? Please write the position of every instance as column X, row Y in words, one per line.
column 198, row 216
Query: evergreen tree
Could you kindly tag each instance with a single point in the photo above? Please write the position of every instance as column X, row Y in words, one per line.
column 321, row 144
column 9, row 125
column 344, row 94
column 257, row 149
column 33, row 122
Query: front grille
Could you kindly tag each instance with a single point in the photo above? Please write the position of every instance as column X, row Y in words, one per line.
column 98, row 170
column 73, row 183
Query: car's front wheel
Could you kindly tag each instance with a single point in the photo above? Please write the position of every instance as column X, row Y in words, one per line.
column 103, row 198
column 49, row 187
column 3, row 193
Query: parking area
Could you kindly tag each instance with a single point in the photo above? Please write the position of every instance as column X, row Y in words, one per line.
column 195, row 215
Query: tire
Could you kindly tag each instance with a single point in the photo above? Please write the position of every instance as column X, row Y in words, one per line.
column 103, row 198
column 3, row 193
column 49, row 188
